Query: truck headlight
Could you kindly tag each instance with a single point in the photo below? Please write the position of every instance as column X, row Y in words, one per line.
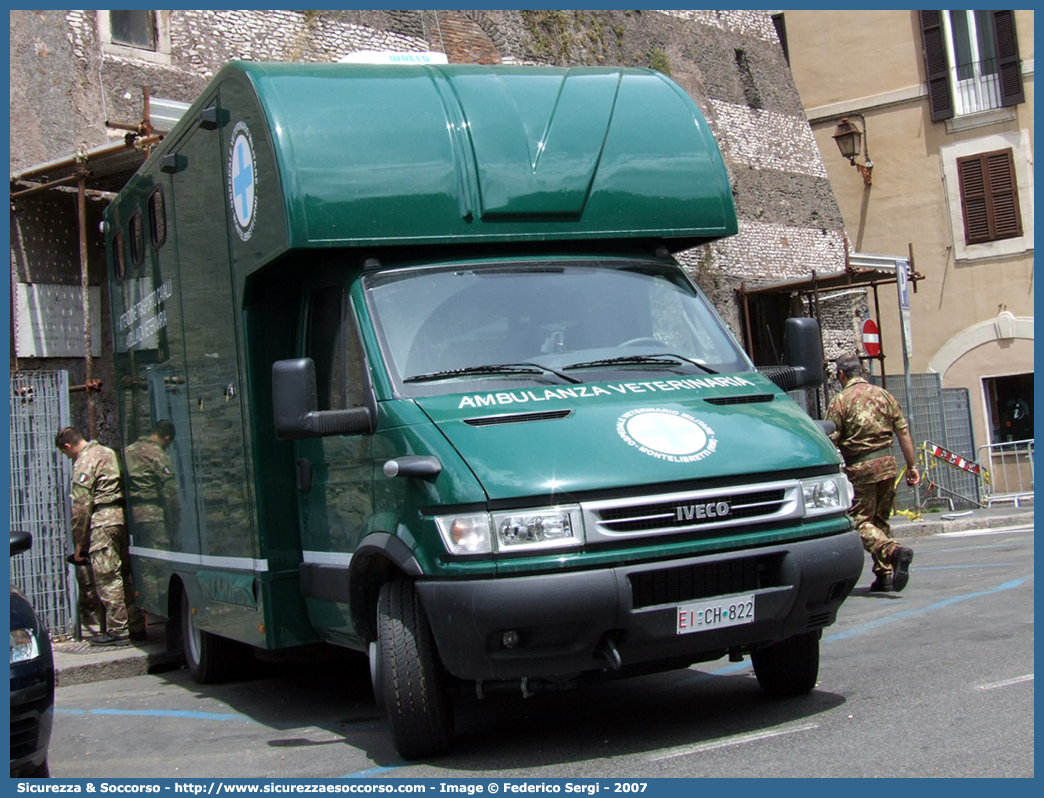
column 520, row 530
column 546, row 528
column 825, row 495
column 465, row 534
column 23, row 646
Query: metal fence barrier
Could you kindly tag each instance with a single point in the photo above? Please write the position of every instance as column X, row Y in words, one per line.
column 1009, row 469
column 39, row 494
column 935, row 461
column 943, row 416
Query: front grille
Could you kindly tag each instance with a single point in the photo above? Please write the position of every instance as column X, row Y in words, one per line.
column 661, row 515
column 692, row 582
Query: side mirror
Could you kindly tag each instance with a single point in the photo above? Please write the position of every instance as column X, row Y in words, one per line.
column 804, row 349
column 295, row 405
column 804, row 353
column 20, row 541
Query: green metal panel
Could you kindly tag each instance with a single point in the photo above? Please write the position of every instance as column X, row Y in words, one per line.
column 383, row 154
column 589, row 449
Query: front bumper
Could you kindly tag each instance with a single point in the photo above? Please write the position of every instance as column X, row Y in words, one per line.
column 32, row 715
column 565, row 621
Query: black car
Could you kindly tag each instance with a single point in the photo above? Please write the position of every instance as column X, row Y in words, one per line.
column 32, row 681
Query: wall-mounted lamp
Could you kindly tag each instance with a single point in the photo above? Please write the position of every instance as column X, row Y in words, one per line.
column 848, row 135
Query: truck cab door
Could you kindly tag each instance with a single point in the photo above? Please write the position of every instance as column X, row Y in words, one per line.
column 334, row 473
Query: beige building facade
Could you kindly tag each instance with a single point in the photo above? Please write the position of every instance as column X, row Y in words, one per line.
column 944, row 103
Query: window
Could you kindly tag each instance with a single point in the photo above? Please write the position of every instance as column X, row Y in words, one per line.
column 133, row 28
column 1016, row 227
column 325, row 345
column 334, row 346
column 137, row 239
column 989, row 197
column 158, row 218
column 119, row 261
column 971, row 60
column 138, row 34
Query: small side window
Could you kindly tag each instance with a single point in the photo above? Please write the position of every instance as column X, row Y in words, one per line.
column 135, row 28
column 137, row 239
column 158, row 218
column 119, row 258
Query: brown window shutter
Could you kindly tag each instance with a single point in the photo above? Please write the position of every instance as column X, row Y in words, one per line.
column 989, row 197
column 936, row 66
column 1008, row 61
column 1004, row 191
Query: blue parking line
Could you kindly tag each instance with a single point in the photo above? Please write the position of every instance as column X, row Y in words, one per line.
column 931, row 607
column 739, row 666
column 965, row 567
column 365, row 774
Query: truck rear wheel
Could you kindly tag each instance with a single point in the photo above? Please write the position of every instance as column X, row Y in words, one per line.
column 209, row 658
column 789, row 667
column 412, row 680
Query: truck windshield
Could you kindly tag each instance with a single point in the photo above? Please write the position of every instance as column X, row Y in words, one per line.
column 544, row 323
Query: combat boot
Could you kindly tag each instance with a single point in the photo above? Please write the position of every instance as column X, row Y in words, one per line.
column 882, row 584
column 901, row 558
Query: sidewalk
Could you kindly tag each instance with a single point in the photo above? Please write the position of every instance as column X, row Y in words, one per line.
column 78, row 662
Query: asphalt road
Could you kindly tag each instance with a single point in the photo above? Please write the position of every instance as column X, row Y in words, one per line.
column 934, row 682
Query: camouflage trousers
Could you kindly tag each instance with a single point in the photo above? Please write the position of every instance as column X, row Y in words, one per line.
column 874, row 485
column 110, row 562
column 92, row 611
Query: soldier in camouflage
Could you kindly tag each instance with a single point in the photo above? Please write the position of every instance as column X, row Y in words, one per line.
column 97, row 500
column 865, row 417
column 152, row 491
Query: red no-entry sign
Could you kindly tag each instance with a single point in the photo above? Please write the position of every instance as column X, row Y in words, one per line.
column 871, row 338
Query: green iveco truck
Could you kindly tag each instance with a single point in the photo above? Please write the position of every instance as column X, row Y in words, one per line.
column 442, row 394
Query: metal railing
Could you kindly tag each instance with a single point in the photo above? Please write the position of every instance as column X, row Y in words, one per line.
column 976, row 86
column 1009, row 476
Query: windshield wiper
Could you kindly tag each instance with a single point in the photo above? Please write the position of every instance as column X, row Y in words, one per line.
column 666, row 359
column 503, row 368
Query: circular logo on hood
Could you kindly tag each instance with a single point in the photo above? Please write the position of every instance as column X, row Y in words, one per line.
column 667, row 434
column 242, row 180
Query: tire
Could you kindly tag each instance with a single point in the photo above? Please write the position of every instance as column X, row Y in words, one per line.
column 413, row 683
column 789, row 667
column 210, row 659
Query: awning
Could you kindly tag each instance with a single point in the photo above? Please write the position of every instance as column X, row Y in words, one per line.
column 106, row 168
column 860, row 270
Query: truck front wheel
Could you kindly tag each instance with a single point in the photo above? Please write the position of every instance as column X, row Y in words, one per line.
column 412, row 680
column 209, row 658
column 789, row 667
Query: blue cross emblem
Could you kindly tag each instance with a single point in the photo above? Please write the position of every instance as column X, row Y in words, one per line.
column 242, row 181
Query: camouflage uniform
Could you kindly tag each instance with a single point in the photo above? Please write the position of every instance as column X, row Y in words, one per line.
column 866, row 417
column 97, row 501
column 92, row 611
column 152, row 494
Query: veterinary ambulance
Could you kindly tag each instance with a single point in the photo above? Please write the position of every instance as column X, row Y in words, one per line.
column 444, row 396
